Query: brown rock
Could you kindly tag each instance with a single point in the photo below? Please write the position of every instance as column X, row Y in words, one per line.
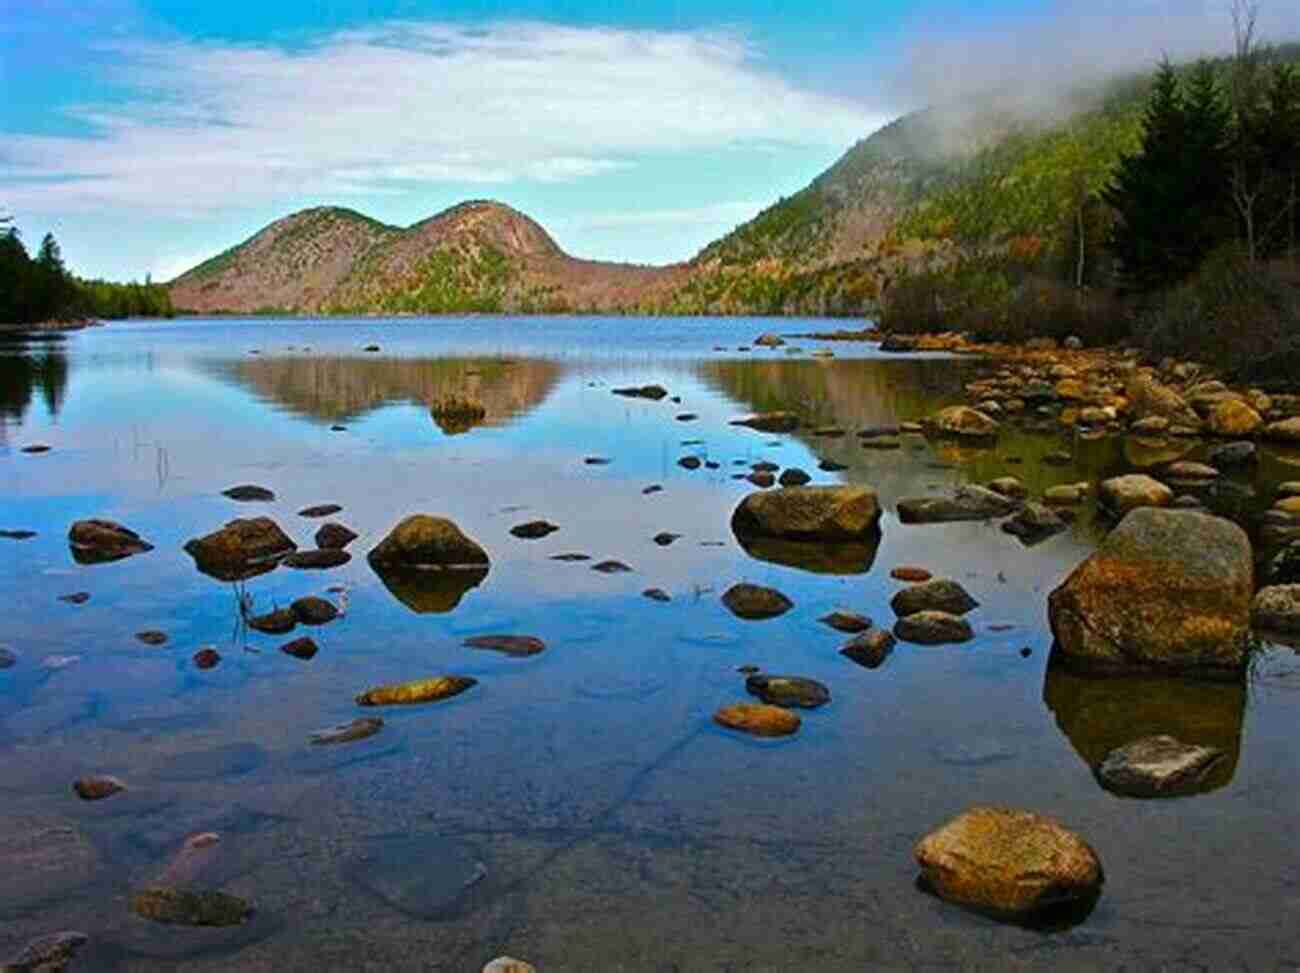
column 241, row 549
column 334, row 537
column 97, row 787
column 962, row 422
column 1124, row 493
column 759, row 719
column 515, row 645
column 1234, row 418
column 304, row 648
column 423, row 542
column 937, row 595
column 849, row 622
column 809, row 513
column 754, row 602
column 933, row 628
column 905, row 573
column 430, row 690
column 1008, row 862
column 870, row 649
column 98, row 541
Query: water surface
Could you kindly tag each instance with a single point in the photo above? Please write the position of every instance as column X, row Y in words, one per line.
column 577, row 807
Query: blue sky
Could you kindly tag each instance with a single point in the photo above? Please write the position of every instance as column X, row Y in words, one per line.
column 150, row 134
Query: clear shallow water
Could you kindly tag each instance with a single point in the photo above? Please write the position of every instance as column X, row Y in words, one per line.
column 599, row 818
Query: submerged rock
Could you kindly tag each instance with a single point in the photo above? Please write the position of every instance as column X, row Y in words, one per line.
column 758, row 719
column 48, row 954
column 249, row 493
column 1157, row 766
column 334, row 537
column 657, row 594
column 1165, row 590
column 429, row 690
column 98, row 541
column 1008, row 862
column 152, row 637
column 937, row 595
column 611, row 567
column 754, row 602
column 304, row 648
column 849, row 622
column 358, row 729
column 870, row 649
column 206, row 658
column 242, row 549
column 278, row 622
column 798, row 691
column 190, row 907
column 320, row 510
column 933, row 628
column 516, row 645
column 96, row 787
column 76, row 598
column 652, row 392
column 8, row 658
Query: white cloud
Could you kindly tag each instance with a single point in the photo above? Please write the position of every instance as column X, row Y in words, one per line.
column 172, row 266
column 411, row 104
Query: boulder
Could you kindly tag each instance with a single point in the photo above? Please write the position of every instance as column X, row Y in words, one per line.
column 933, row 628
column 1124, row 493
column 1009, row 862
column 758, row 719
column 507, row 964
column 962, row 422
column 797, row 691
column 1165, row 590
column 242, row 549
column 938, row 595
column 1277, row 609
column 422, row 542
column 754, row 602
column 1158, row 766
column 870, row 649
column 1147, row 397
column 809, row 513
column 969, row 502
column 99, row 541
column 1232, row 417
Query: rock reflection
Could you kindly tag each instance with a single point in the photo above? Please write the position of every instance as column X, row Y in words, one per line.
column 816, row 557
column 1097, row 714
column 338, row 389
column 430, row 592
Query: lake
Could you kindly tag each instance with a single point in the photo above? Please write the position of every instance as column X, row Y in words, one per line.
column 578, row 807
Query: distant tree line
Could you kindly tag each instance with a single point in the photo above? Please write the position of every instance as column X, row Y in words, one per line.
column 39, row 289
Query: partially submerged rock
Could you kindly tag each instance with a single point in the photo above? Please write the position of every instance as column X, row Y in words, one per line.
column 319, row 560
column 969, row 502
column 534, row 529
column 314, row 611
column 1009, row 863
column 334, row 537
column 758, row 719
column 1158, row 766
column 1277, row 609
column 98, row 541
column 770, row 422
column 809, row 513
column 754, row 602
column 1034, row 523
column 429, row 690
column 937, row 595
column 933, row 628
column 1122, row 494
column 1165, row 590
column 422, row 542
column 48, row 954
column 96, row 787
column 797, row 691
column 242, row 549
column 249, row 493
column 850, row 622
column 190, row 907
column 870, row 649
column 961, row 422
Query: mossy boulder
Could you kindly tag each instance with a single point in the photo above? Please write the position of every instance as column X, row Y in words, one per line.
column 809, row 513
column 1166, row 590
column 1009, row 863
column 422, row 542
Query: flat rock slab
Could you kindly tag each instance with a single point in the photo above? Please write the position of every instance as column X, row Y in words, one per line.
column 515, row 645
column 318, row 560
column 652, row 392
column 571, row 558
column 611, row 567
column 534, row 529
column 17, row 535
column 358, row 729
column 758, row 719
column 152, row 637
column 396, row 869
column 797, row 691
column 320, row 510
column 249, row 493
column 1158, row 766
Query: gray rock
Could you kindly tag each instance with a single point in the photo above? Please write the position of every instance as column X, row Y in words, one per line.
column 939, row 595
column 967, row 503
column 1231, row 456
column 933, row 628
column 1034, row 523
column 1157, row 766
